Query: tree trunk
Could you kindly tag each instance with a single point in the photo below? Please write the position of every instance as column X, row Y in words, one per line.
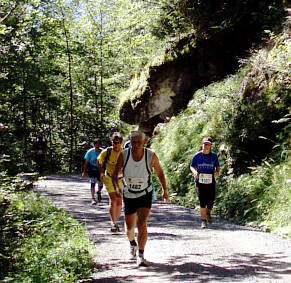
column 71, row 94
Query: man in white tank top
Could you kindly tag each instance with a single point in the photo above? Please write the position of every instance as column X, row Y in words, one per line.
column 137, row 163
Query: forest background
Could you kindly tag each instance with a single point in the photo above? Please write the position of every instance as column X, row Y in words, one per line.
column 64, row 65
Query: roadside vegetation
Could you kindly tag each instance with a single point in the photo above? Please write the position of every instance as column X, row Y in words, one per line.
column 39, row 243
column 248, row 116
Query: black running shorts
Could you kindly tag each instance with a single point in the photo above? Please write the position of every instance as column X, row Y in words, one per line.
column 206, row 194
column 132, row 204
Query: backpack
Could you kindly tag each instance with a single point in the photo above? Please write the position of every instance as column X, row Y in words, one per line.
column 106, row 157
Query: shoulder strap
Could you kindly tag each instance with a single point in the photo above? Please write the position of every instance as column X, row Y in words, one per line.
column 146, row 160
column 127, row 151
column 107, row 157
column 147, row 166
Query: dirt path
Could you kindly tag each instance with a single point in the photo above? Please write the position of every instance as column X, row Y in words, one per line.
column 179, row 251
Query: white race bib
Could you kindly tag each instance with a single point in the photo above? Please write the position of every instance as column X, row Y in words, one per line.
column 205, row 178
column 136, row 184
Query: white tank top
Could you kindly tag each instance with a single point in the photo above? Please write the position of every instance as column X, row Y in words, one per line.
column 137, row 175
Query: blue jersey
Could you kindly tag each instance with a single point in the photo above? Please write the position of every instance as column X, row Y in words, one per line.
column 205, row 163
column 91, row 156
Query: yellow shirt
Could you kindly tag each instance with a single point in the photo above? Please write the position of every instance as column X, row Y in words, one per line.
column 111, row 162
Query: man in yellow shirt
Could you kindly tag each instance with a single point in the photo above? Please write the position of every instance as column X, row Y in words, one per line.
column 109, row 156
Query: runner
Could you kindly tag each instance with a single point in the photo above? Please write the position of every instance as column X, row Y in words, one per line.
column 136, row 163
column 106, row 162
column 205, row 167
column 93, row 172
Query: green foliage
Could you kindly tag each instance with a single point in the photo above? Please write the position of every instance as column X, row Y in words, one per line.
column 260, row 198
column 259, row 120
column 207, row 18
column 248, row 116
column 40, row 243
column 62, row 67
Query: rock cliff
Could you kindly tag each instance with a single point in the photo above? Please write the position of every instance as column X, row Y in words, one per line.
column 166, row 86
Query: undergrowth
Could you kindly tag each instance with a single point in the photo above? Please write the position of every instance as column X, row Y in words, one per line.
column 39, row 243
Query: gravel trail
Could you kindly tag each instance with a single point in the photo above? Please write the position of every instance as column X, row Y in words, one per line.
column 178, row 250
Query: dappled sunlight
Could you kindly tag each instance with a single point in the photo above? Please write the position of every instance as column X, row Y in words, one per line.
column 177, row 248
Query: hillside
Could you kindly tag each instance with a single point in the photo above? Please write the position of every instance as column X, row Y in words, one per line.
column 248, row 115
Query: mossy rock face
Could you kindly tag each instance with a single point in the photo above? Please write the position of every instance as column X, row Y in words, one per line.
column 166, row 86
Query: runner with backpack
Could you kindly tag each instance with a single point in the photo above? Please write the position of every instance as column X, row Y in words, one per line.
column 90, row 165
column 106, row 163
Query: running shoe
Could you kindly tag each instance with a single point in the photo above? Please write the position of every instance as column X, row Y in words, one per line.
column 204, row 224
column 133, row 250
column 141, row 261
column 114, row 228
column 99, row 196
column 93, row 202
column 117, row 227
column 209, row 218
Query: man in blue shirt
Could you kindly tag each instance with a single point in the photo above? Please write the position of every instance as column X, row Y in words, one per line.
column 93, row 171
column 205, row 167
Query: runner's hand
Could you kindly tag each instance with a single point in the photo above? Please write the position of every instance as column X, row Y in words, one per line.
column 102, row 177
column 165, row 197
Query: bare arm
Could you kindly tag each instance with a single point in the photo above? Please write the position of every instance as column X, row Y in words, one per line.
column 156, row 165
column 85, row 169
column 116, row 172
column 101, row 171
column 194, row 172
column 216, row 171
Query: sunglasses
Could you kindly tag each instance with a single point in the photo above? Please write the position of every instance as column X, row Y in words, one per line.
column 116, row 142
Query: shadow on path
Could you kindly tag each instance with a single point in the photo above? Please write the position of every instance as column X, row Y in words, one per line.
column 177, row 248
column 262, row 267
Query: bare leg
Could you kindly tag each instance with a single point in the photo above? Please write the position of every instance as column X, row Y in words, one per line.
column 115, row 207
column 130, row 221
column 100, row 189
column 99, row 192
column 203, row 211
column 142, row 218
column 93, row 190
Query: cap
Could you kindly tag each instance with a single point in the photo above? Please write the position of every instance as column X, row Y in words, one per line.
column 116, row 136
column 207, row 140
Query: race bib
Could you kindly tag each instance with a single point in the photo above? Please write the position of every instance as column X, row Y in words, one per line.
column 135, row 184
column 205, row 178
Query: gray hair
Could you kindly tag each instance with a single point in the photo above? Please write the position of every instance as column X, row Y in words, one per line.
column 137, row 134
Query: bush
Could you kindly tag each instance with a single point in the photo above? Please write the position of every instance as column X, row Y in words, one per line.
column 260, row 199
column 40, row 243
